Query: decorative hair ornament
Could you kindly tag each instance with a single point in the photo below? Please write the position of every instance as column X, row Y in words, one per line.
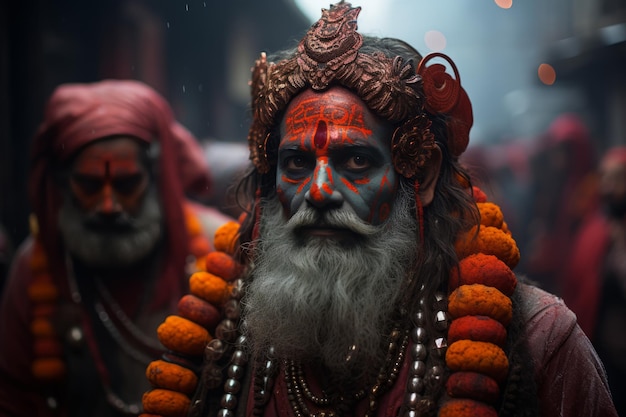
column 444, row 95
column 411, row 145
column 332, row 42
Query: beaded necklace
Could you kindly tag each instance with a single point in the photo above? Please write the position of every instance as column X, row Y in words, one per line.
column 478, row 310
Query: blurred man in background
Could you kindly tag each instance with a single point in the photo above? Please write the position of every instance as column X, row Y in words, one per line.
column 115, row 235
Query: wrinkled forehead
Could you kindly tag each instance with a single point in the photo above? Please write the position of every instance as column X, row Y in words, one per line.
column 121, row 152
column 336, row 108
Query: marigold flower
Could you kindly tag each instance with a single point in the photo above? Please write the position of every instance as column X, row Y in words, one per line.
column 490, row 214
column 166, row 403
column 209, row 287
column 226, row 237
column 199, row 246
column 42, row 290
column 42, row 327
column 48, row 369
column 480, row 300
column 199, row 311
column 478, row 194
column 466, row 408
column 171, row 376
column 483, row 269
column 192, row 222
column 38, row 259
column 482, row 357
column 491, row 241
column 474, row 386
column 223, row 265
column 182, row 335
column 477, row 328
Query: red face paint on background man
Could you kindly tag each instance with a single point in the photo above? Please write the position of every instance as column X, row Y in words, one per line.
column 333, row 151
column 109, row 177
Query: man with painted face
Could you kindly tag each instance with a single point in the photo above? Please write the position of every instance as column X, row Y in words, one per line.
column 114, row 235
column 368, row 287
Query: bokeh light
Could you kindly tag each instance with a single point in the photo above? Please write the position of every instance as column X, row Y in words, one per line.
column 435, row 40
column 505, row 4
column 547, row 74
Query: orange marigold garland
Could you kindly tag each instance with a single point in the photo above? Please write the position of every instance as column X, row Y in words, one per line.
column 182, row 335
column 480, row 306
column 165, row 402
column 478, row 328
column 467, row 408
column 478, row 299
column 491, row 241
column 482, row 357
column 47, row 363
column 483, row 269
column 474, row 386
column 198, row 314
column 172, row 376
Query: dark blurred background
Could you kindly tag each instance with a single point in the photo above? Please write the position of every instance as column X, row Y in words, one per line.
column 523, row 63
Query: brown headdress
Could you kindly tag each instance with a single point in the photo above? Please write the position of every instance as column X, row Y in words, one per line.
column 331, row 53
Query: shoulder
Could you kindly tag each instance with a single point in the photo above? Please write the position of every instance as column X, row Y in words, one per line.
column 547, row 321
column 561, row 356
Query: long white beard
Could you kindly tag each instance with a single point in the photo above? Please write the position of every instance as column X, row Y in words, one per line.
column 127, row 241
column 313, row 299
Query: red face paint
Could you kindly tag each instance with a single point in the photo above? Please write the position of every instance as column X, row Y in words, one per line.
column 321, row 135
column 333, row 151
column 109, row 176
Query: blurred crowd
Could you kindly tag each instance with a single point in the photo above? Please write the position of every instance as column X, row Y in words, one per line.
column 565, row 200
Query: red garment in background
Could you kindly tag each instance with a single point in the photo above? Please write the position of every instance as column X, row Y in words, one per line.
column 583, row 271
column 567, row 197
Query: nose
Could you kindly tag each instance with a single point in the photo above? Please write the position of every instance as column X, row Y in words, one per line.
column 109, row 204
column 322, row 193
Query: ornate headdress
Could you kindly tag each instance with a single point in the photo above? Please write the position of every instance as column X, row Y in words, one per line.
column 330, row 54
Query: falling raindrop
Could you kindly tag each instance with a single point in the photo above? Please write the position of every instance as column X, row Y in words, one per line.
column 187, row 7
column 167, row 24
column 184, row 88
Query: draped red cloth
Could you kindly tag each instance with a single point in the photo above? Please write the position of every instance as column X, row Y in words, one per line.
column 79, row 114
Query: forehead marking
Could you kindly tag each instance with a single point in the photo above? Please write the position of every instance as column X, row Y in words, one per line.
column 321, row 135
column 319, row 121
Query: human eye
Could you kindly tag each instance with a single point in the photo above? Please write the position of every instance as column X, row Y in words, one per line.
column 87, row 184
column 358, row 163
column 296, row 164
column 128, row 184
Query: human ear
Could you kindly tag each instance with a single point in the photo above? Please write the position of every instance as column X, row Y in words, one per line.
column 429, row 177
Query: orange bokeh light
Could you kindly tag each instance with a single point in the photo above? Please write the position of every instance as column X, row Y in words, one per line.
column 505, row 4
column 547, row 74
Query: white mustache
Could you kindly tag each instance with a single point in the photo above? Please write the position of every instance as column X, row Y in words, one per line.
column 345, row 218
